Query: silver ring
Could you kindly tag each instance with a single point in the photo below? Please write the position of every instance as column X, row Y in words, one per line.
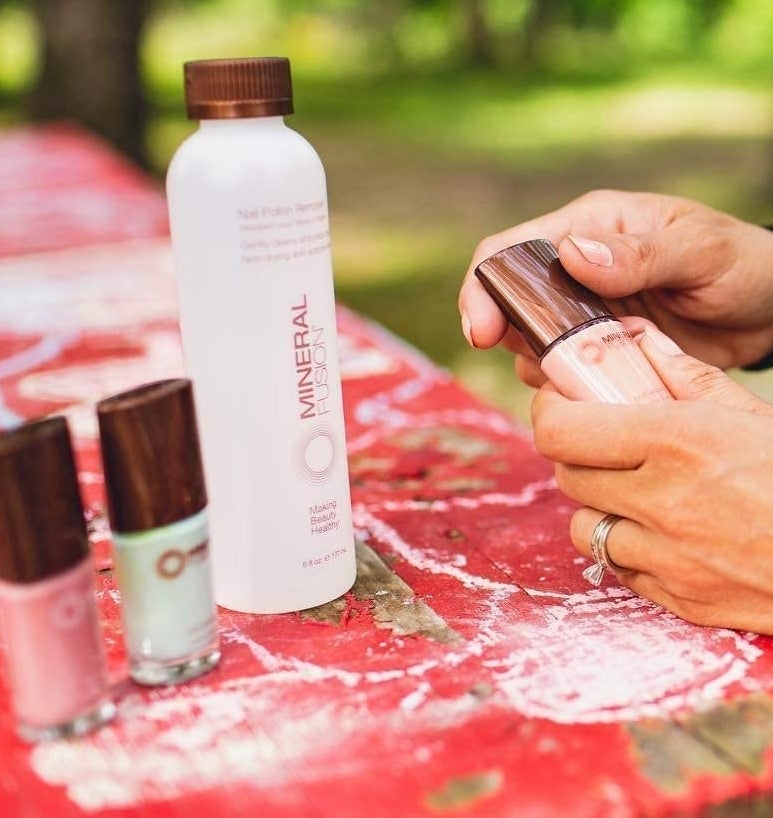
column 598, row 546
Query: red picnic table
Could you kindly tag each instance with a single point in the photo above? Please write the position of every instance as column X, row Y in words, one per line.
column 471, row 671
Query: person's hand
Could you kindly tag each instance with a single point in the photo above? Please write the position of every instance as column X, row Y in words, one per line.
column 691, row 478
column 705, row 278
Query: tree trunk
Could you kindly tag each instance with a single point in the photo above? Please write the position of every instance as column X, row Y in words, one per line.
column 480, row 51
column 90, row 68
column 542, row 15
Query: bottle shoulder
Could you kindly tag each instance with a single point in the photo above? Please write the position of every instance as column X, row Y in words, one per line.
column 238, row 153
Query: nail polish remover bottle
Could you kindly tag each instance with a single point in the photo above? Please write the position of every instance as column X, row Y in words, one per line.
column 53, row 643
column 158, row 514
column 250, row 237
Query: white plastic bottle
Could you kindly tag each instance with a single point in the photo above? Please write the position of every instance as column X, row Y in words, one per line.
column 250, row 236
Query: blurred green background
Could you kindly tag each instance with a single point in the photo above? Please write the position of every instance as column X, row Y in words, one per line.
column 441, row 121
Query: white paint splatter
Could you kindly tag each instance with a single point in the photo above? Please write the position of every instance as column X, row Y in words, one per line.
column 418, row 557
column 48, row 348
column 416, row 698
column 292, row 668
column 525, row 497
column 87, row 383
column 106, row 288
column 593, row 662
column 359, row 361
column 189, row 741
column 195, row 739
column 388, row 419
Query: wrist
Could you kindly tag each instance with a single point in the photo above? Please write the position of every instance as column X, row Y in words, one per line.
column 766, row 362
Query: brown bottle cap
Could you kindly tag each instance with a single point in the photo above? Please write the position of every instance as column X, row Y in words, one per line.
column 151, row 456
column 42, row 530
column 537, row 295
column 229, row 89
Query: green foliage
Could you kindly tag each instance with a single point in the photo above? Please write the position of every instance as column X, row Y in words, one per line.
column 17, row 56
column 581, row 40
column 660, row 28
column 743, row 37
column 550, row 37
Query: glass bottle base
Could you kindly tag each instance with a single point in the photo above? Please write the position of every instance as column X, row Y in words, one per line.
column 78, row 726
column 153, row 673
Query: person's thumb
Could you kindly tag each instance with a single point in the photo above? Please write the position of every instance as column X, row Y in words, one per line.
column 688, row 378
column 617, row 265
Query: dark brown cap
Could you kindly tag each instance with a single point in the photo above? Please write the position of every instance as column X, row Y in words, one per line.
column 151, row 456
column 537, row 295
column 42, row 530
column 228, row 89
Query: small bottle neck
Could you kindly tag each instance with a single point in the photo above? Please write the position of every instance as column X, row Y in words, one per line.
column 239, row 123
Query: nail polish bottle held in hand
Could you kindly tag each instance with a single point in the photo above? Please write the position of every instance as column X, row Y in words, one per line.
column 158, row 514
column 250, row 237
column 53, row 643
column 582, row 348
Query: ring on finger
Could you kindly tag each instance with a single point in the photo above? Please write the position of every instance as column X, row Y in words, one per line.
column 599, row 550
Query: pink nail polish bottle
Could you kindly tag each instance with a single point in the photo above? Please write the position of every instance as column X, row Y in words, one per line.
column 55, row 662
column 582, row 348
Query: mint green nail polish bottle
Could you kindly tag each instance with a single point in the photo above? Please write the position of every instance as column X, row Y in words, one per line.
column 157, row 503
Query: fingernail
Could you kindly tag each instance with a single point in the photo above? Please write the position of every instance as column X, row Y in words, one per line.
column 662, row 342
column 467, row 328
column 593, row 251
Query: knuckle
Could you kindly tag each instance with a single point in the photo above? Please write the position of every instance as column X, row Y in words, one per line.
column 643, row 249
column 691, row 611
column 577, row 530
column 547, row 432
column 564, row 480
column 528, row 371
column 691, row 590
column 723, row 244
column 678, row 606
column 680, row 435
column 703, row 379
column 487, row 247
column 596, row 196
column 670, row 516
column 679, row 585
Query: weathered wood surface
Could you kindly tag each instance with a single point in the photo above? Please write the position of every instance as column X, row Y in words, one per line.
column 471, row 671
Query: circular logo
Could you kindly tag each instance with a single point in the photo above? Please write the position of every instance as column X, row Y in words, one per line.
column 170, row 564
column 317, row 455
column 591, row 352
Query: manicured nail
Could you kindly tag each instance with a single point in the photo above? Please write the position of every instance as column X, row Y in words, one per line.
column 593, row 251
column 662, row 342
column 467, row 328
